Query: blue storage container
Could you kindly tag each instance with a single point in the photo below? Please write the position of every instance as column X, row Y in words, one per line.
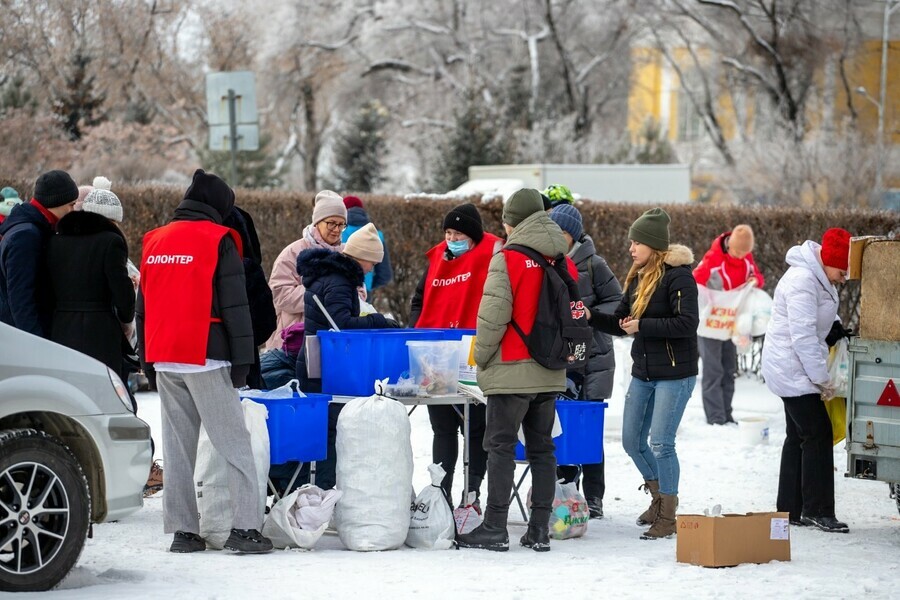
column 352, row 360
column 298, row 427
column 581, row 442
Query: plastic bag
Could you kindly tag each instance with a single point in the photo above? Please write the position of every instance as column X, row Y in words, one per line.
column 570, row 514
column 466, row 517
column 299, row 519
column 837, row 414
column 374, row 470
column 718, row 311
column 211, row 477
column 288, row 390
column 431, row 523
column 839, row 368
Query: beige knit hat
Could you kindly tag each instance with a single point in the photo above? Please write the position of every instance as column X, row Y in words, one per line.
column 741, row 240
column 328, row 204
column 365, row 244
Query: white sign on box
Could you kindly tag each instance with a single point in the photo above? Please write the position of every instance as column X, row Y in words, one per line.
column 467, row 367
column 779, row 529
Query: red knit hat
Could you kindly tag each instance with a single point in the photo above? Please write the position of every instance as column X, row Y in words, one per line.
column 352, row 201
column 836, row 248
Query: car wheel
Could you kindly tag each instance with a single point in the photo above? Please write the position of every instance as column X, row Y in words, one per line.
column 44, row 510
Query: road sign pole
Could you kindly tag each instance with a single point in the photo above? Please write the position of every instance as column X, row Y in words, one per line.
column 232, row 121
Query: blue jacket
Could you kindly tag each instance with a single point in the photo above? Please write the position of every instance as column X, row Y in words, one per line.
column 383, row 273
column 26, row 300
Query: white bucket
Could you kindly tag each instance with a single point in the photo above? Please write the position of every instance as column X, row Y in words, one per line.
column 754, row 430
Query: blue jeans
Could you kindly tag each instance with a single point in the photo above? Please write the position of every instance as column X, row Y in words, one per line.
column 653, row 410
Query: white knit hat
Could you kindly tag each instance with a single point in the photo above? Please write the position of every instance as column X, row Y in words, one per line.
column 103, row 202
column 328, row 204
column 365, row 244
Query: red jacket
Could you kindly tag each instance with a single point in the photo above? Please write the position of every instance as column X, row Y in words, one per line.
column 733, row 272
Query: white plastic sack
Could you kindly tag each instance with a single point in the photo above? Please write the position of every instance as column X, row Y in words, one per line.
column 718, row 311
column 839, row 368
column 211, row 477
column 431, row 523
column 758, row 304
column 299, row 519
column 570, row 515
column 374, row 471
column 288, row 390
column 466, row 517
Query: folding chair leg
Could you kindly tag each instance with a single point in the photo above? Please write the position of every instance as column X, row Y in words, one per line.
column 516, row 494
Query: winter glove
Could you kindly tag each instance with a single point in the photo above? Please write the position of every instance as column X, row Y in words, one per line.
column 837, row 332
column 239, row 375
column 391, row 323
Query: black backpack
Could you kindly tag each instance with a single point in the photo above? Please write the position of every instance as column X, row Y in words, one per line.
column 561, row 336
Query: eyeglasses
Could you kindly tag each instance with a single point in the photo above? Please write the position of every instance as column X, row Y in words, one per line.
column 335, row 225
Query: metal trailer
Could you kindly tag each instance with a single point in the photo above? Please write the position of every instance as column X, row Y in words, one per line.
column 873, row 413
column 639, row 184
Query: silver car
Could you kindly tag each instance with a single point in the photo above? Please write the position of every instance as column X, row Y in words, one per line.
column 72, row 453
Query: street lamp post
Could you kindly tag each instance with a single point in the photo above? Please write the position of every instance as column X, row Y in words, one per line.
column 889, row 7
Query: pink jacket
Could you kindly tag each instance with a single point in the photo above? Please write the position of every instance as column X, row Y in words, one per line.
column 287, row 291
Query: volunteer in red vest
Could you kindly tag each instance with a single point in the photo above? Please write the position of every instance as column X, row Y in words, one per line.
column 520, row 392
column 194, row 330
column 447, row 297
column 727, row 265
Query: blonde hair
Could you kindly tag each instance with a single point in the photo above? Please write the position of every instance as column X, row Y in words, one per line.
column 648, row 277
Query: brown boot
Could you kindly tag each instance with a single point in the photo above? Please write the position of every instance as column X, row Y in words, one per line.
column 665, row 524
column 651, row 486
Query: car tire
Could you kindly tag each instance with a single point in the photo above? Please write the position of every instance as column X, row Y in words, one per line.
column 44, row 510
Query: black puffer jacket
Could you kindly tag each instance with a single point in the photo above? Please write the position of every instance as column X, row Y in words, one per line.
column 92, row 291
column 26, row 299
column 601, row 293
column 665, row 346
column 232, row 338
column 334, row 278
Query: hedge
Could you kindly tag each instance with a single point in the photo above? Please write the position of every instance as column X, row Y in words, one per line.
column 411, row 225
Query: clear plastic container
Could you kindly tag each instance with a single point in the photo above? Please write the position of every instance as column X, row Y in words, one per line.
column 434, row 365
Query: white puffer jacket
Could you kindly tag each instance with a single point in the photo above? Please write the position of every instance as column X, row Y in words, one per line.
column 803, row 311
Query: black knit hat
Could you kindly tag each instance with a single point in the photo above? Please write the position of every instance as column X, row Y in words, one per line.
column 212, row 190
column 55, row 188
column 466, row 219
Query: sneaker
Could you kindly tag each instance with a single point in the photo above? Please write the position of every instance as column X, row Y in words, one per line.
column 536, row 538
column 829, row 524
column 796, row 522
column 248, row 541
column 186, row 542
column 485, row 537
column 595, row 506
column 154, row 480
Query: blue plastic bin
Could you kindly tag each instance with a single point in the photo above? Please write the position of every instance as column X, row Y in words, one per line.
column 352, row 360
column 581, row 442
column 298, row 427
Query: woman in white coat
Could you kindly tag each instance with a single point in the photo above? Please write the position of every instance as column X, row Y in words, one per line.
column 804, row 313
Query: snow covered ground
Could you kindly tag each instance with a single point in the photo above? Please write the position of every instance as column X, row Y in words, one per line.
column 130, row 558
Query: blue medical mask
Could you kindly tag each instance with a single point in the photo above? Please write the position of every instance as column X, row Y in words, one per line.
column 459, row 247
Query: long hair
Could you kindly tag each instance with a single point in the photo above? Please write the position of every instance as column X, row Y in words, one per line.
column 648, row 278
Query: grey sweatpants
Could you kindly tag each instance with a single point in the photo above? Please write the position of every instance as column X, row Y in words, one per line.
column 187, row 399
column 719, row 368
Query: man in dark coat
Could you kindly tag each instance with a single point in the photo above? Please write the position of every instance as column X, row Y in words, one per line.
column 25, row 296
column 259, row 295
column 93, row 294
column 194, row 327
column 601, row 293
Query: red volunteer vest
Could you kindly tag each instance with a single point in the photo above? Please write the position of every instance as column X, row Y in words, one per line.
column 177, row 268
column 525, row 280
column 453, row 288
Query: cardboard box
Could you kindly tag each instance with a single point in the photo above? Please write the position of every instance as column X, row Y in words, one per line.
column 731, row 540
column 879, row 291
column 857, row 247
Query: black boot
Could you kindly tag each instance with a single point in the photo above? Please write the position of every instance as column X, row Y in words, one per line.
column 595, row 505
column 829, row 524
column 485, row 537
column 248, row 541
column 537, row 538
column 186, row 542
